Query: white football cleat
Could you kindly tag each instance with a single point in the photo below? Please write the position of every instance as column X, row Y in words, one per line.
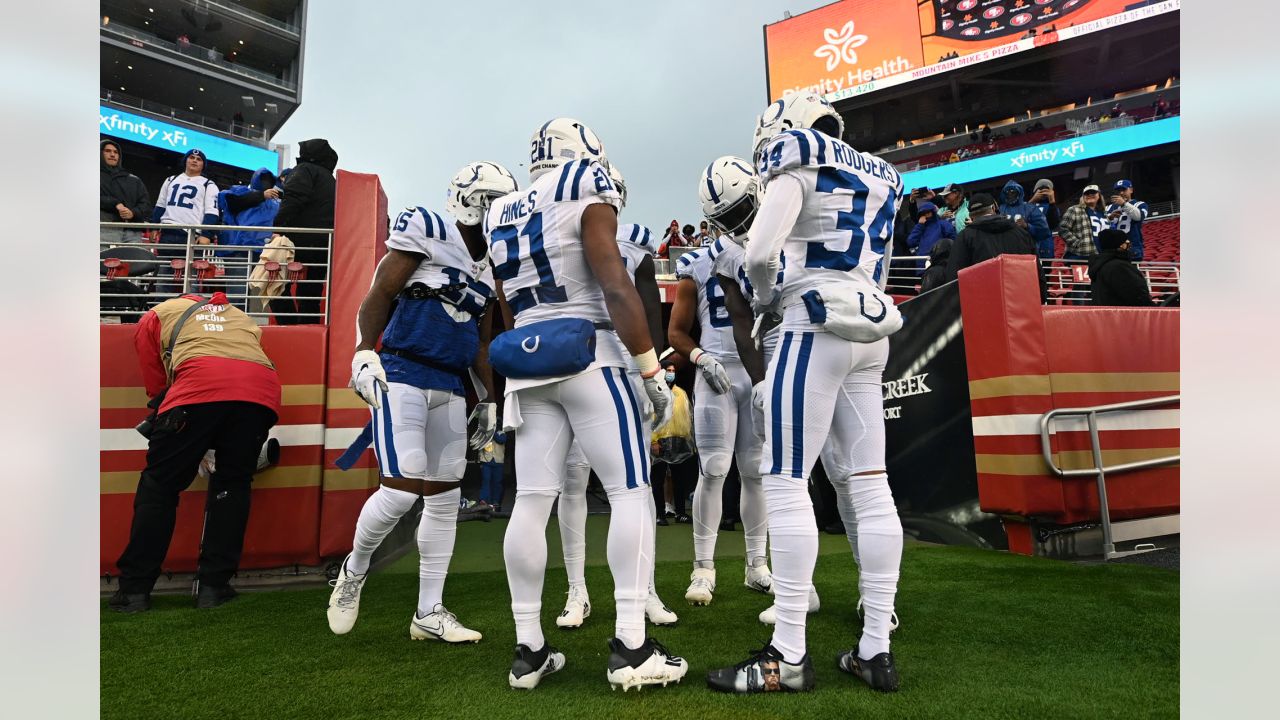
column 576, row 609
column 529, row 667
column 344, row 601
column 702, row 586
column 440, row 624
column 657, row 612
column 649, row 664
column 770, row 617
column 893, row 616
column 759, row 579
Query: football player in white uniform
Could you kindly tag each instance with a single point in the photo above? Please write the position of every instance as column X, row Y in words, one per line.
column 722, row 422
column 577, row 319
column 732, row 210
column 830, row 208
column 428, row 302
column 636, row 244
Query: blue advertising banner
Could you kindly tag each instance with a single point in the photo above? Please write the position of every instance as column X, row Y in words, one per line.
column 1076, row 149
column 149, row 131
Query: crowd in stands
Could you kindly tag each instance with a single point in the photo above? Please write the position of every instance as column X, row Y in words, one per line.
column 301, row 197
column 984, row 140
column 954, row 231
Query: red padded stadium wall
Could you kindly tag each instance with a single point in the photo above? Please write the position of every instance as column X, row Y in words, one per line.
column 285, row 511
column 360, row 234
column 1025, row 359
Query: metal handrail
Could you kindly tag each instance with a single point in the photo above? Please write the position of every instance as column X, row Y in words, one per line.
column 1099, row 469
column 191, row 247
column 206, row 55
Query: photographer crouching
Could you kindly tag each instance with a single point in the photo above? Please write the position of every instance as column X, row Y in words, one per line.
column 212, row 388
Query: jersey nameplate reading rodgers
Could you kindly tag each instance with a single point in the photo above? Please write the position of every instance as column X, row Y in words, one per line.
column 535, row 240
column 845, row 223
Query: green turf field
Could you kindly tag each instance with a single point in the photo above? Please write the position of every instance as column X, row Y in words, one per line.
column 984, row 635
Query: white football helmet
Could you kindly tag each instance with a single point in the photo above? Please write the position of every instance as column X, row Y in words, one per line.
column 729, row 191
column 798, row 111
column 559, row 141
column 615, row 176
column 475, row 187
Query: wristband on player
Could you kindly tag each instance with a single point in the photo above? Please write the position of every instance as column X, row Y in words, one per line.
column 648, row 363
column 697, row 353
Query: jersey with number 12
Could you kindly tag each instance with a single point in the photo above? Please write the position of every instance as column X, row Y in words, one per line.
column 845, row 223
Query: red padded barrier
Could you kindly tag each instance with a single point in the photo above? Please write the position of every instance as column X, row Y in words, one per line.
column 1024, row 359
column 285, row 511
column 360, row 234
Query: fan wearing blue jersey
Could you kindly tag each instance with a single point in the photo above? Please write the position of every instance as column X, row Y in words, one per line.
column 579, row 325
column 830, row 209
column 636, row 244
column 429, row 304
column 723, row 428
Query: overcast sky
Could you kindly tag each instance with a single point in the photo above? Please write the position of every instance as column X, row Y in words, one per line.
column 412, row 91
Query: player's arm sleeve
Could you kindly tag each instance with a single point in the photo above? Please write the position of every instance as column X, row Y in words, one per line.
column 773, row 223
column 146, row 343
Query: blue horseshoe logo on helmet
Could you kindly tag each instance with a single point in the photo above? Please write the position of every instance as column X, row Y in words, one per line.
column 582, row 133
column 475, row 175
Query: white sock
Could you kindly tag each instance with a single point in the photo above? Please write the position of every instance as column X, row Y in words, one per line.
column 880, row 555
column 436, row 532
column 708, row 506
column 571, row 511
column 524, row 550
column 793, row 534
column 848, row 516
column 380, row 513
column 630, row 552
column 755, row 518
column 653, row 555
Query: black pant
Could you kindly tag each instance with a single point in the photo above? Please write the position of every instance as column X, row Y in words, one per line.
column 684, row 475
column 235, row 431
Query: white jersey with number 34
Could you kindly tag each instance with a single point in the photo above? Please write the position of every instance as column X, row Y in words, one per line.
column 845, row 223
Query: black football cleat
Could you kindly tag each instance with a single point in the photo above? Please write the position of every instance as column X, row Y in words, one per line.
column 879, row 672
column 124, row 602
column 765, row 671
column 529, row 667
column 211, row 596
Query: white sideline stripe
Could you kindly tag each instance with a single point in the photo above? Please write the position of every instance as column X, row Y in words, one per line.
column 290, row 435
column 340, row 438
column 1165, row 419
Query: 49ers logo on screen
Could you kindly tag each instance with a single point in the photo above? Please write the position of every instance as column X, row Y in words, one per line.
column 982, row 19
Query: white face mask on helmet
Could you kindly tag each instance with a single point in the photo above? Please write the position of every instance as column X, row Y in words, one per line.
column 798, row 111
column 729, row 192
column 615, row 176
column 475, row 187
column 559, row 141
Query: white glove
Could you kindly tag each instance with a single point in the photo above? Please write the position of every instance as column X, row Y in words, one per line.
column 367, row 375
column 712, row 371
column 757, row 406
column 660, row 395
column 485, row 416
